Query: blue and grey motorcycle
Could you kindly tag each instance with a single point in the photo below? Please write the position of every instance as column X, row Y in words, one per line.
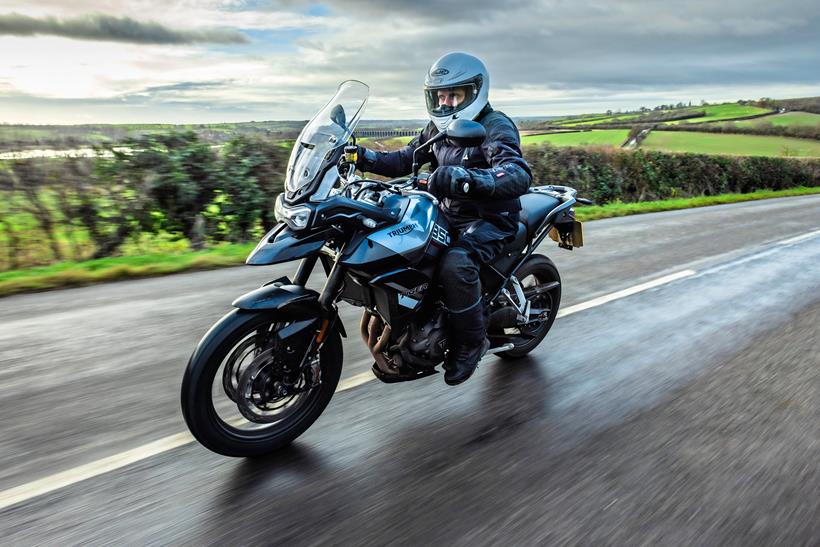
column 266, row 371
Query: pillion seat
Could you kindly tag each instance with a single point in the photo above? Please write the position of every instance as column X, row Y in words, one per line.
column 535, row 208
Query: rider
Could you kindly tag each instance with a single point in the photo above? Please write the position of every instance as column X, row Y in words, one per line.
column 479, row 188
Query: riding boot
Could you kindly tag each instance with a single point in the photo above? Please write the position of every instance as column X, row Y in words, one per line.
column 468, row 343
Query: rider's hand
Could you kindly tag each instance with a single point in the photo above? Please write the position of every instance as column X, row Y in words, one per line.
column 449, row 181
column 356, row 157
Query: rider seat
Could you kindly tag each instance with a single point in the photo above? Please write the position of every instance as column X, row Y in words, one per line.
column 535, row 208
column 519, row 242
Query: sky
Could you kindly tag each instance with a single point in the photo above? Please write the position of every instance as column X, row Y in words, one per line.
column 206, row 61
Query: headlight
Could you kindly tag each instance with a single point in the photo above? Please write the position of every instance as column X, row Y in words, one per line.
column 295, row 217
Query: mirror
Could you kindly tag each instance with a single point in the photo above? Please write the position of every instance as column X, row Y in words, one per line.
column 337, row 115
column 466, row 133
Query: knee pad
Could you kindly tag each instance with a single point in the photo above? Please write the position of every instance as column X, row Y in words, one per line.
column 459, row 266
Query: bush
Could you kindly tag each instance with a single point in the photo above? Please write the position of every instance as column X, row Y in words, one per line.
column 607, row 175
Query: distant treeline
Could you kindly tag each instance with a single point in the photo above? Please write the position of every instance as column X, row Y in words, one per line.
column 806, row 104
column 23, row 137
column 174, row 191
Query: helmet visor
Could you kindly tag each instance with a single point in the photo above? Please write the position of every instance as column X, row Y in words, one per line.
column 444, row 101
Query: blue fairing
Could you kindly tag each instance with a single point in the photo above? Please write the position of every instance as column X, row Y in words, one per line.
column 282, row 245
column 407, row 238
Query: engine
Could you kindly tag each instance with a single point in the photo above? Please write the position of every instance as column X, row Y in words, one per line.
column 416, row 351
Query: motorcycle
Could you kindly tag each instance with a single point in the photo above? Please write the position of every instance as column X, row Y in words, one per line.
column 265, row 372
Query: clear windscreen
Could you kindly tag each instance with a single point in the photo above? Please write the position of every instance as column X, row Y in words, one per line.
column 329, row 129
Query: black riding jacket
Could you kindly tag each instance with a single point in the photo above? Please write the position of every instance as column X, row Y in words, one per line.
column 498, row 171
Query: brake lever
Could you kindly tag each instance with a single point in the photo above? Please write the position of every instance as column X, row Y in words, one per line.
column 433, row 198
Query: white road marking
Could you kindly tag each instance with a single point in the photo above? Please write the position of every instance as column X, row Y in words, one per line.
column 772, row 249
column 355, row 381
column 798, row 239
column 629, row 291
column 56, row 481
column 62, row 479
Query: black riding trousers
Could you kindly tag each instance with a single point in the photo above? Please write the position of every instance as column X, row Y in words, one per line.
column 476, row 242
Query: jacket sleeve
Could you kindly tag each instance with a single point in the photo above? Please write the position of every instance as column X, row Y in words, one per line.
column 399, row 162
column 509, row 175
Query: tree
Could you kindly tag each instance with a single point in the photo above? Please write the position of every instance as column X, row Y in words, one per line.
column 29, row 179
column 180, row 174
column 253, row 174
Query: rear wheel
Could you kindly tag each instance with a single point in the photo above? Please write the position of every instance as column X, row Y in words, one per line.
column 241, row 398
column 542, row 286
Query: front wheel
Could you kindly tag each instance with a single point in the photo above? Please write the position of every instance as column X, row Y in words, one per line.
column 240, row 399
column 542, row 286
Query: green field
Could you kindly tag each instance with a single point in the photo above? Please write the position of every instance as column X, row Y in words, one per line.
column 608, row 137
column 393, row 143
column 617, row 118
column 787, row 119
column 717, row 112
column 735, row 145
column 720, row 112
column 589, row 120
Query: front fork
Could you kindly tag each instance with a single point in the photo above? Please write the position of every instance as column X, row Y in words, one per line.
column 305, row 269
column 327, row 300
column 333, row 285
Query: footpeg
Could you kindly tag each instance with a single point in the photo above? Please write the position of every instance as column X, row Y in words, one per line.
column 499, row 349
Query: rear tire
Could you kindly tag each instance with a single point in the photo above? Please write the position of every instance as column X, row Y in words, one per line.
column 543, row 271
column 216, row 433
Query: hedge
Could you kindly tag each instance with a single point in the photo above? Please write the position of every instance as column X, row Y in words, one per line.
column 607, row 174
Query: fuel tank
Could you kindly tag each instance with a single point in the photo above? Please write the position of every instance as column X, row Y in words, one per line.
column 418, row 238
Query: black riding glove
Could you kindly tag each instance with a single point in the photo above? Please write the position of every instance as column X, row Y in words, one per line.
column 365, row 158
column 449, row 181
column 359, row 156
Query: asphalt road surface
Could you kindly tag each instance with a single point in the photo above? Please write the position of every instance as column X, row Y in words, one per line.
column 687, row 412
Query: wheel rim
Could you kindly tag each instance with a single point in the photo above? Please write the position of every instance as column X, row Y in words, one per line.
column 241, row 396
column 543, row 301
column 524, row 335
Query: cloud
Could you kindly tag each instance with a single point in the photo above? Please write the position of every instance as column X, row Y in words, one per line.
column 114, row 29
column 545, row 57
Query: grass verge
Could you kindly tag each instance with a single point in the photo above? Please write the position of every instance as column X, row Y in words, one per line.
column 72, row 274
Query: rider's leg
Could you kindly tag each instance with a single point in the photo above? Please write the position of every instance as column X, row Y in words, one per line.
column 465, row 318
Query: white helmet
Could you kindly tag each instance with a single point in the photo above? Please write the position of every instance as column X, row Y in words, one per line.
column 460, row 71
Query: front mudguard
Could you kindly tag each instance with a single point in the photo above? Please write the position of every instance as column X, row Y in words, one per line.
column 290, row 302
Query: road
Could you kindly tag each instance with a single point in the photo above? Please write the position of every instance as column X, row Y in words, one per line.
column 683, row 413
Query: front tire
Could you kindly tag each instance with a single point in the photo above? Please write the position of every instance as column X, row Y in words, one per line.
column 201, row 383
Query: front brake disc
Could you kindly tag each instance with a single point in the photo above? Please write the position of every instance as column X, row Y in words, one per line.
column 236, row 363
column 262, row 394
